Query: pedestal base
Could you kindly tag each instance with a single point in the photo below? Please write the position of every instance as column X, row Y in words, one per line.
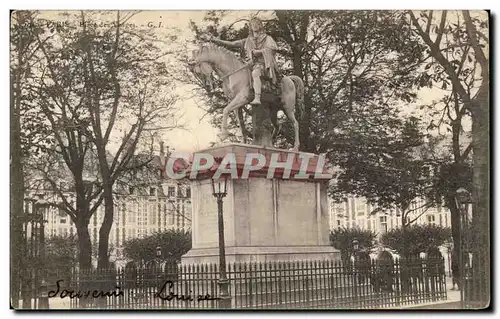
column 261, row 254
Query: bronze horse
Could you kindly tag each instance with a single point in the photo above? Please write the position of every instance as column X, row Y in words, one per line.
column 237, row 85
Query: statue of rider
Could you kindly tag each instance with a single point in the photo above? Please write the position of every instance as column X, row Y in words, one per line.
column 261, row 50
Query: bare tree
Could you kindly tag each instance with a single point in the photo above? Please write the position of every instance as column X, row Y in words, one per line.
column 126, row 79
column 97, row 84
column 470, row 45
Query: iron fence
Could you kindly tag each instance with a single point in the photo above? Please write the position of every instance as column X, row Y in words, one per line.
column 270, row 285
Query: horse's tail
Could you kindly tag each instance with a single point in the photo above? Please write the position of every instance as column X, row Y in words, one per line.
column 299, row 89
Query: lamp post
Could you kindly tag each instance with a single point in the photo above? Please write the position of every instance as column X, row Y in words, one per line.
column 157, row 269
column 462, row 199
column 449, row 248
column 219, row 191
column 33, row 270
column 355, row 247
column 43, row 301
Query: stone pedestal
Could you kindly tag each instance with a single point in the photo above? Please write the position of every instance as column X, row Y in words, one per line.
column 265, row 219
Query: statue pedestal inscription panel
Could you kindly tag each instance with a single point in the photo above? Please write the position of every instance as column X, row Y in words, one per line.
column 265, row 219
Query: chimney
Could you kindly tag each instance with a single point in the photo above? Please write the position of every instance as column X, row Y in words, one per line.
column 162, row 151
column 163, row 159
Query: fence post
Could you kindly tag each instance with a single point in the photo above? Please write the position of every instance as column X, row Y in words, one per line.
column 249, row 292
column 397, row 272
column 280, row 299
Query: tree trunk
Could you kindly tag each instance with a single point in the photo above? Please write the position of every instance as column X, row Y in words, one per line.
column 107, row 223
column 405, row 280
column 480, row 108
column 84, row 244
column 296, row 38
column 305, row 119
column 84, row 254
column 16, row 197
column 455, row 234
column 480, row 198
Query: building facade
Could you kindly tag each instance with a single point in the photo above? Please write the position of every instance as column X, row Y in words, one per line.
column 145, row 202
column 357, row 212
column 136, row 215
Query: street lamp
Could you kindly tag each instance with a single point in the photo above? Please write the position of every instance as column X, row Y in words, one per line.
column 462, row 199
column 449, row 248
column 219, row 191
column 355, row 247
column 32, row 270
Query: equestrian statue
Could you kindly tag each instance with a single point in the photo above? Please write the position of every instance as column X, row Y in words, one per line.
column 255, row 81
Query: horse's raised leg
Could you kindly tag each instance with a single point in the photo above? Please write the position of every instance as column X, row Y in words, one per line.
column 241, row 123
column 239, row 100
column 288, row 98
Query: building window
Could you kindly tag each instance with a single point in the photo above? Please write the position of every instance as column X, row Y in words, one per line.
column 118, row 236
column 171, row 191
column 171, row 213
column 152, row 191
column 426, row 171
column 440, row 220
column 152, row 213
column 188, row 192
column 183, row 216
column 383, row 223
column 62, row 221
column 340, row 209
column 338, row 223
column 360, row 207
column 124, row 221
column 131, row 190
column 353, row 209
column 61, row 212
column 164, row 214
column 431, row 219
